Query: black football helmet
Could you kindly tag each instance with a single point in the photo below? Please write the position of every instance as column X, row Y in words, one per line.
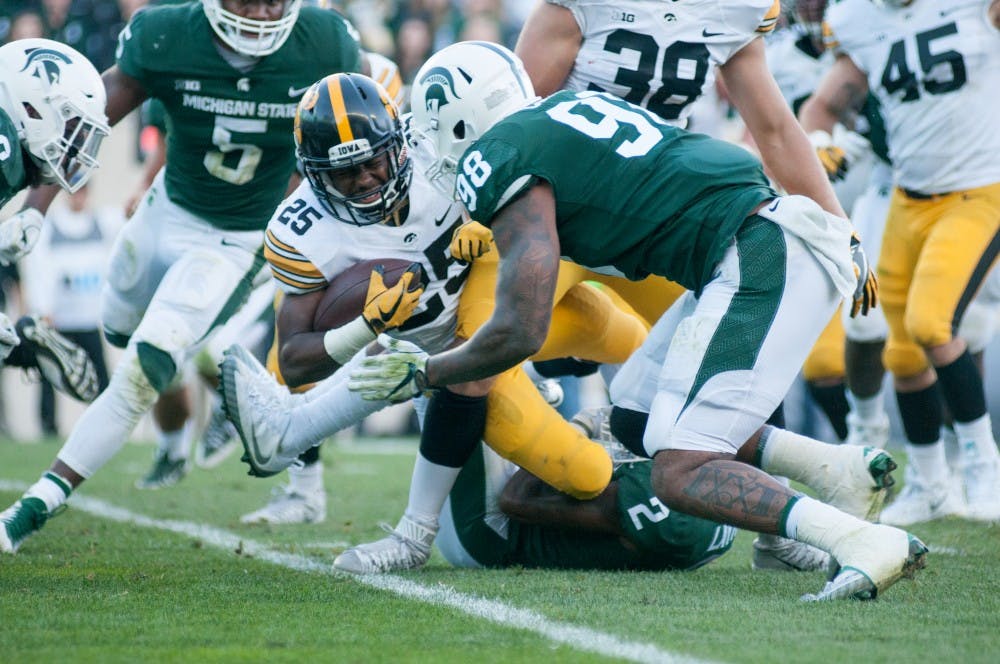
column 345, row 120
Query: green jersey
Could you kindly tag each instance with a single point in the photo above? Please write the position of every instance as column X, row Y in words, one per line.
column 230, row 149
column 13, row 176
column 655, row 538
column 632, row 192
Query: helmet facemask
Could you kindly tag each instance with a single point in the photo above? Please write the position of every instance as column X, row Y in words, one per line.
column 251, row 37
column 375, row 206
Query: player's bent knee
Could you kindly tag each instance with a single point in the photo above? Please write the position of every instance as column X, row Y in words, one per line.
column 132, row 384
column 588, row 472
column 904, row 361
column 926, row 328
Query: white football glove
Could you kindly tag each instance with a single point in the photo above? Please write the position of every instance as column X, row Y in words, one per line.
column 854, row 145
column 19, row 234
column 395, row 375
column 8, row 336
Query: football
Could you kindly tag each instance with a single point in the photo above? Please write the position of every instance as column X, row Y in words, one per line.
column 344, row 299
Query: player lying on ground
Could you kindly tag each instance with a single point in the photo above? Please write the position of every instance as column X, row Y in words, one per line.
column 498, row 515
column 766, row 274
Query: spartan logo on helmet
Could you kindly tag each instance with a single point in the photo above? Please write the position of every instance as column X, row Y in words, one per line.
column 45, row 62
column 436, row 80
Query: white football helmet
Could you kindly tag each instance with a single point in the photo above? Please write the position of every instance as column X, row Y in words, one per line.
column 250, row 36
column 56, row 99
column 459, row 93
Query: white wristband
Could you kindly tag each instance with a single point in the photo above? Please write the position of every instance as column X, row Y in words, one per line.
column 343, row 342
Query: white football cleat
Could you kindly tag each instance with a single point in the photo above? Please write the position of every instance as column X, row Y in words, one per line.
column 871, row 434
column 982, row 490
column 773, row 552
column 287, row 506
column 920, row 501
column 217, row 441
column 872, row 558
column 259, row 408
column 408, row 546
column 595, row 423
column 855, row 480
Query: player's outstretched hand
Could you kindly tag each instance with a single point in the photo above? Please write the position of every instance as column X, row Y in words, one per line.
column 470, row 241
column 398, row 374
column 19, row 234
column 387, row 308
column 866, row 293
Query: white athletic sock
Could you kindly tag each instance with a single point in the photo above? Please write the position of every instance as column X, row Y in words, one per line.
column 870, row 409
column 51, row 489
column 929, row 462
column 429, row 488
column 819, row 524
column 176, row 444
column 975, row 439
column 306, row 479
column 107, row 423
column 797, row 457
column 325, row 410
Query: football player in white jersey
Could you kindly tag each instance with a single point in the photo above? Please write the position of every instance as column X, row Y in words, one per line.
column 932, row 68
column 663, row 56
column 363, row 203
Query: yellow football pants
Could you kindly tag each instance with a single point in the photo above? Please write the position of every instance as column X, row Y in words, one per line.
column 520, row 425
column 935, row 256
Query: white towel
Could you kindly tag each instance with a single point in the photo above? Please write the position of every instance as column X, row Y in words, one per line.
column 827, row 236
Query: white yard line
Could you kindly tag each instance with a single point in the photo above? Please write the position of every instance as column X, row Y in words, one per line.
column 574, row 636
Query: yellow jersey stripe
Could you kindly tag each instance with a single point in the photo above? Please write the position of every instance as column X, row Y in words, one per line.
column 770, row 19
column 278, row 244
column 339, row 109
column 829, row 39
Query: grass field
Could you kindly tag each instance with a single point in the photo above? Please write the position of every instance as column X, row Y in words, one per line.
column 171, row 575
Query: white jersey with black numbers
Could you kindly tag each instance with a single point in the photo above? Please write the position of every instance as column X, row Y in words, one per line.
column 661, row 55
column 306, row 247
column 933, row 67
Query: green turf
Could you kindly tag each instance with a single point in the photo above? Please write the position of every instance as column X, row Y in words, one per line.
column 100, row 591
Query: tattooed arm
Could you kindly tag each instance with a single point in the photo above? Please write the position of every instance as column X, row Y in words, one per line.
column 526, row 239
column 838, row 97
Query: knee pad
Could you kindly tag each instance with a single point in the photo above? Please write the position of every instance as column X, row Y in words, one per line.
column 904, row 360
column 587, row 324
column 163, row 342
column 132, row 382
column 521, row 427
column 927, row 326
column 826, row 359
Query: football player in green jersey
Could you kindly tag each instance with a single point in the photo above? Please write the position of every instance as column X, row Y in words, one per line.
column 229, row 74
column 51, row 126
column 640, row 197
column 498, row 515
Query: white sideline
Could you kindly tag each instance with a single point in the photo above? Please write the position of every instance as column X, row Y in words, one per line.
column 579, row 638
